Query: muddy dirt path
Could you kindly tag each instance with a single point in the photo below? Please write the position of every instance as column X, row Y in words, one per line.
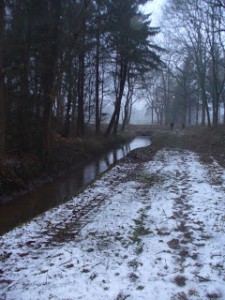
column 146, row 230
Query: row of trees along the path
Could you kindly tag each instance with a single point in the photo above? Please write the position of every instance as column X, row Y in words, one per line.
column 191, row 88
column 62, row 61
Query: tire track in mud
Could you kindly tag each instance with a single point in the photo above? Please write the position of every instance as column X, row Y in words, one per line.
column 82, row 213
column 80, row 217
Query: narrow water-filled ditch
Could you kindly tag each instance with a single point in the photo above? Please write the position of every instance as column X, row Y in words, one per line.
column 51, row 194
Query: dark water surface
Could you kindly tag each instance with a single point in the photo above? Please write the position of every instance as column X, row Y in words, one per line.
column 51, row 194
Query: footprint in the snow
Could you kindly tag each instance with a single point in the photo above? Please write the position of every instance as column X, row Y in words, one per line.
column 174, row 244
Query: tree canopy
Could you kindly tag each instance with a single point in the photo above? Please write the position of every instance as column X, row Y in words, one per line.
column 62, row 62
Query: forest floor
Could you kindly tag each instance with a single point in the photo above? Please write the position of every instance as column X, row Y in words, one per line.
column 153, row 227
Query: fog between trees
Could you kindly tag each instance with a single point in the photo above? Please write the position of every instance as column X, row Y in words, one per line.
column 189, row 89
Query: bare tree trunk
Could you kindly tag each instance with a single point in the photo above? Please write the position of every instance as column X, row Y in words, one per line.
column 189, row 112
column 224, row 113
column 66, row 126
column 128, row 104
column 97, row 108
column 203, row 113
column 49, row 64
column 166, row 100
column 116, row 114
column 215, row 94
column 205, row 106
column 126, row 113
column 2, row 106
column 26, row 136
column 197, row 112
column 80, row 92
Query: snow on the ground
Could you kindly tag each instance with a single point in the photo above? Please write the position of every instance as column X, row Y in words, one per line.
column 146, row 231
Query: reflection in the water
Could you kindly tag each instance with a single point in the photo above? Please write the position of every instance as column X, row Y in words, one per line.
column 52, row 194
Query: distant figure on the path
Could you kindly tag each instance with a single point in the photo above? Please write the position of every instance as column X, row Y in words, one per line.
column 171, row 126
column 183, row 126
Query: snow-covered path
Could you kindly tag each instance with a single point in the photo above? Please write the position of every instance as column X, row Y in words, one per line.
column 146, row 231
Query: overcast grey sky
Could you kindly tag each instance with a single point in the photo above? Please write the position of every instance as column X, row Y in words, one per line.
column 154, row 7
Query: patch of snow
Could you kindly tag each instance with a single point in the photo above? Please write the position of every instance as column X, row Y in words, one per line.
column 146, row 231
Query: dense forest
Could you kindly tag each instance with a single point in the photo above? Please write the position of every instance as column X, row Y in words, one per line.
column 63, row 61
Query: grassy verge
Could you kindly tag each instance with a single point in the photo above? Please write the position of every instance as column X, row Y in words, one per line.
column 208, row 142
column 66, row 153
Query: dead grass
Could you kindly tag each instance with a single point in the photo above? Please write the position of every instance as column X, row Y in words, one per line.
column 174, row 244
column 208, row 142
column 180, row 296
column 180, row 280
column 181, row 227
column 213, row 296
column 121, row 296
